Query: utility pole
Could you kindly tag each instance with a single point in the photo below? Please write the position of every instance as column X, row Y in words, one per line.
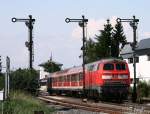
column 29, row 44
column 82, row 23
column 133, row 23
column 7, row 76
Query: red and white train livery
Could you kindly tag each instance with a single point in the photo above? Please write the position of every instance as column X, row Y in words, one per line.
column 105, row 79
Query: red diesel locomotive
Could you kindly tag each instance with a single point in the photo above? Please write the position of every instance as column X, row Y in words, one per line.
column 104, row 79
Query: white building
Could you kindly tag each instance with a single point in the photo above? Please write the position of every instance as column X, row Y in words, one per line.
column 43, row 79
column 43, row 74
column 142, row 59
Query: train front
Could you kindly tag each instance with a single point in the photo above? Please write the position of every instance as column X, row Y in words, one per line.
column 115, row 80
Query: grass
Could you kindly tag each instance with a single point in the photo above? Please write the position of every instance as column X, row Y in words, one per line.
column 21, row 103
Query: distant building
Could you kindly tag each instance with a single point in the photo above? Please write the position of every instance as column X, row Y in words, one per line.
column 142, row 59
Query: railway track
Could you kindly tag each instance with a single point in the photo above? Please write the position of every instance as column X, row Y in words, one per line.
column 84, row 106
column 107, row 107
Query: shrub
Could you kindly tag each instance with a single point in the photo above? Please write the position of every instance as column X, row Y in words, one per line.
column 24, row 80
column 22, row 103
column 143, row 89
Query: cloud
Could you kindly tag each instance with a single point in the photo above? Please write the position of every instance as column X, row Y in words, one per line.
column 93, row 27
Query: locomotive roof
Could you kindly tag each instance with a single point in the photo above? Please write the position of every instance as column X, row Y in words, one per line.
column 79, row 69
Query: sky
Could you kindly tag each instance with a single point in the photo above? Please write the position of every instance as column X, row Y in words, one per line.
column 52, row 35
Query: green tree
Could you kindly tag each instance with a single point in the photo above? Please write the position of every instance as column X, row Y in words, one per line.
column 143, row 89
column 103, row 41
column 51, row 66
column 118, row 40
column 107, row 44
column 24, row 80
column 90, row 51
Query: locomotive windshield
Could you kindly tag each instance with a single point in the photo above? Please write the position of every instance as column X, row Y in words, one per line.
column 108, row 66
column 120, row 66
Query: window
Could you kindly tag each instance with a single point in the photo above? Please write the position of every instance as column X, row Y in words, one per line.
column 68, row 78
column 65, row 79
column 73, row 78
column 80, row 77
column 148, row 57
column 108, row 66
column 137, row 59
column 90, row 67
column 130, row 60
column 120, row 66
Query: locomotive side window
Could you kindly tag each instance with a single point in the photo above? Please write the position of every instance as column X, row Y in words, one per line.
column 120, row 66
column 91, row 67
column 108, row 66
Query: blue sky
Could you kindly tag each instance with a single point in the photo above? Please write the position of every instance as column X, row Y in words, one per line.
column 52, row 34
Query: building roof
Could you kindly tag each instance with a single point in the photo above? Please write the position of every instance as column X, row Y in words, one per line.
column 144, row 44
column 143, row 48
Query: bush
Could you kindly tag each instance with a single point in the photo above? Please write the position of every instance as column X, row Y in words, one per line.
column 22, row 103
column 143, row 89
column 24, row 80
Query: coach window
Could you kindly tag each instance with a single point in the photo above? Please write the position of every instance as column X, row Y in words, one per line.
column 108, row 66
column 68, row 78
column 65, row 78
column 76, row 77
column 62, row 78
column 55, row 79
column 59, row 79
column 81, row 76
column 72, row 77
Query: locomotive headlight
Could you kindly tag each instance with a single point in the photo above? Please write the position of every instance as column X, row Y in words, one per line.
column 123, row 76
column 106, row 76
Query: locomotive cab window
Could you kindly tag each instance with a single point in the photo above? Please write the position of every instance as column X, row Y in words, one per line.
column 120, row 66
column 108, row 66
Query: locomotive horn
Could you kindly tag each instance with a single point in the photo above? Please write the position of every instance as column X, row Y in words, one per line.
column 13, row 19
column 67, row 20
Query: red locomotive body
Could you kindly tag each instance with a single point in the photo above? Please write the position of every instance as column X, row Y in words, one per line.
column 105, row 79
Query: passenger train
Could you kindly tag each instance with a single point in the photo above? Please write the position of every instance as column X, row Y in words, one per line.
column 106, row 79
